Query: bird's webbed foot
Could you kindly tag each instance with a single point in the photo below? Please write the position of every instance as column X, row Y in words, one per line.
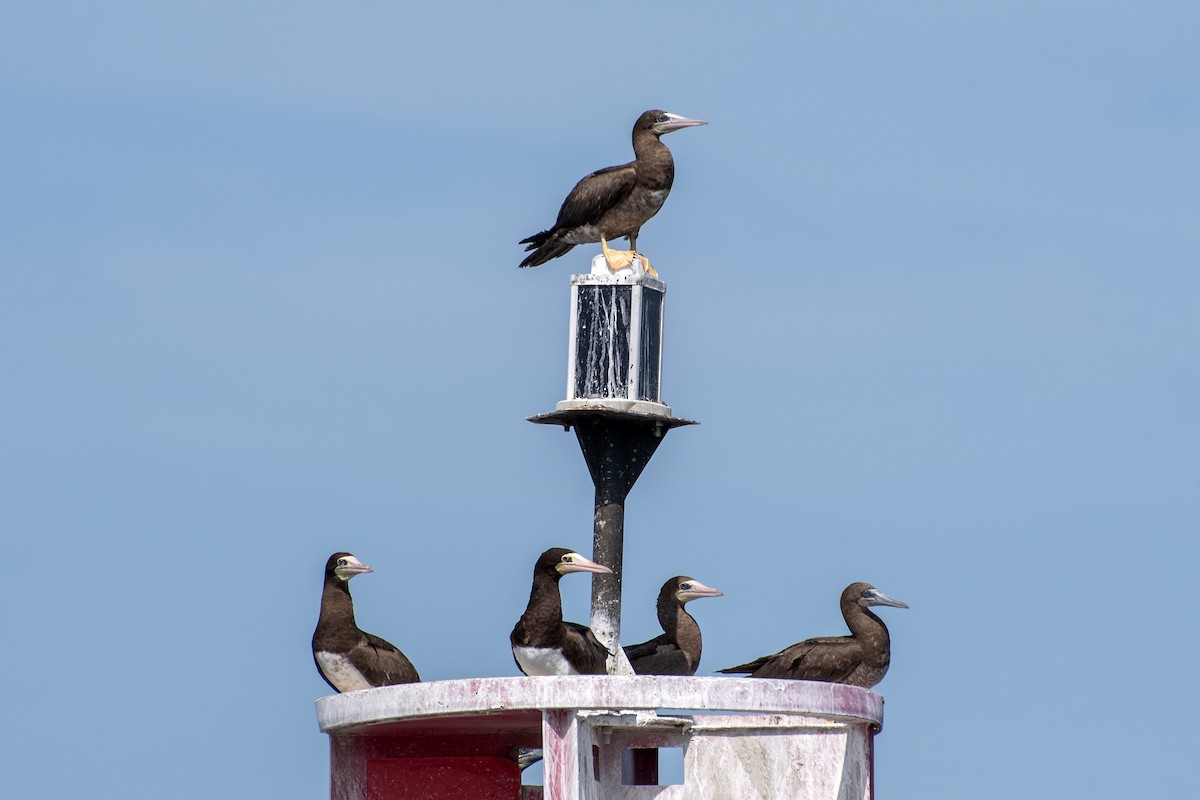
column 623, row 259
column 616, row 259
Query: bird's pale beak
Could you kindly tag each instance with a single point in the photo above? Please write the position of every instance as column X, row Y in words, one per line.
column 878, row 598
column 699, row 590
column 675, row 122
column 580, row 564
column 350, row 570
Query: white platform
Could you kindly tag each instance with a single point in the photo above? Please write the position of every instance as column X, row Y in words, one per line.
column 785, row 740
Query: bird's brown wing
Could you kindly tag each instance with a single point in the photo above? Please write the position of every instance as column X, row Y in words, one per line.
column 581, row 647
column 659, row 656
column 596, row 194
column 382, row 663
column 636, row 651
column 831, row 659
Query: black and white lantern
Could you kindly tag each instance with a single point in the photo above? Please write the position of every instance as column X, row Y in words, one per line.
column 615, row 351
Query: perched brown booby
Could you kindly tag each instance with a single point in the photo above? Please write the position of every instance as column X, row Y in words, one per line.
column 542, row 643
column 860, row 659
column 346, row 657
column 615, row 201
column 677, row 650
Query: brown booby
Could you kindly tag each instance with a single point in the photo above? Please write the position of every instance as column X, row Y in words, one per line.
column 348, row 658
column 677, row 650
column 542, row 643
column 860, row 659
column 615, row 201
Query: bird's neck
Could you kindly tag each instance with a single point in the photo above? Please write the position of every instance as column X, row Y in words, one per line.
column 653, row 157
column 865, row 625
column 545, row 602
column 645, row 143
column 680, row 626
column 336, row 605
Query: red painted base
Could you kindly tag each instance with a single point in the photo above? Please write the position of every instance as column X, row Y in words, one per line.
column 444, row 778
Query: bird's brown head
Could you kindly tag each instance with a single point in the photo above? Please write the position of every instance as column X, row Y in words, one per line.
column 866, row 595
column 345, row 566
column 660, row 122
column 560, row 561
column 683, row 589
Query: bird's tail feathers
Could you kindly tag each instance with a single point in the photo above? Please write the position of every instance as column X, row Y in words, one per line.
column 544, row 248
column 748, row 667
column 537, row 240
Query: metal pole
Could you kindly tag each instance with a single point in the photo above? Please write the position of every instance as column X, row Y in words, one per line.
column 608, row 548
column 616, row 449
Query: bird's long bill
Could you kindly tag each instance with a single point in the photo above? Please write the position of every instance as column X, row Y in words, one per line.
column 878, row 598
column 580, row 564
column 699, row 590
column 352, row 568
column 675, row 122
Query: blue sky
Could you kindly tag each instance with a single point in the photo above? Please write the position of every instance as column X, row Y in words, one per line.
column 932, row 293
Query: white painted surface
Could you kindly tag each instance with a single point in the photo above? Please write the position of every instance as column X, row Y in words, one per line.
column 615, row 404
column 482, row 695
column 601, row 274
column 633, row 379
column 777, row 757
column 572, row 336
column 795, row 740
column 567, row 763
column 745, row 757
column 600, row 268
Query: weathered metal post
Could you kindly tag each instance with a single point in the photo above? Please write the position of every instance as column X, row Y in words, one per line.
column 614, row 379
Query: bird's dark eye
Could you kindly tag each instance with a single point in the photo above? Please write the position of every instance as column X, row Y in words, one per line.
column 567, row 559
column 663, row 118
column 341, row 562
column 685, row 586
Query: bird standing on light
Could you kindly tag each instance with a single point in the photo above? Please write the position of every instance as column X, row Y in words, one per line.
column 616, row 201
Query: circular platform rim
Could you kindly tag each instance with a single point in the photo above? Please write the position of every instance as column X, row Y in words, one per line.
column 482, row 696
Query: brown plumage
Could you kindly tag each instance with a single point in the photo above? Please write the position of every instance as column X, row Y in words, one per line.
column 615, row 201
column 348, row 658
column 677, row 650
column 542, row 643
column 860, row 659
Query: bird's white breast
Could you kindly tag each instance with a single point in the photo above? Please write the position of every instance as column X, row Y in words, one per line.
column 341, row 672
column 543, row 661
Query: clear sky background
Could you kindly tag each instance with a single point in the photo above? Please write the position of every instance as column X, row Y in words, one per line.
column 933, row 293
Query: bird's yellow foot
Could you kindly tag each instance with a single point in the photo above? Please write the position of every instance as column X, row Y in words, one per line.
column 616, row 259
column 622, row 259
